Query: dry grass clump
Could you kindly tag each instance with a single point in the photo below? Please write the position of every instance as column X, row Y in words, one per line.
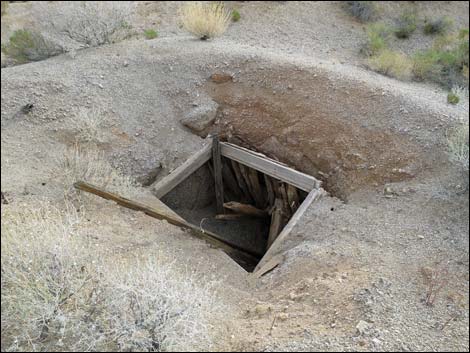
column 89, row 125
column 61, row 293
column 205, row 19
column 392, row 64
column 458, row 142
column 88, row 164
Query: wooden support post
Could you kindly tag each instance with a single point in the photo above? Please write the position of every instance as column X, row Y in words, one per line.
column 219, row 186
column 256, row 188
column 276, row 222
column 241, row 182
column 245, row 209
column 270, row 189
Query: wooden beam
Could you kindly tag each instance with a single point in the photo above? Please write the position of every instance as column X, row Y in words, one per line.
column 245, row 209
column 241, row 182
column 196, row 161
column 216, row 240
column 218, row 182
column 269, row 166
column 275, row 247
column 276, row 222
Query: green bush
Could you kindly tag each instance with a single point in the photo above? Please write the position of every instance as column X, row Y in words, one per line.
column 445, row 63
column 235, row 16
column 364, row 11
column 452, row 98
column 391, row 63
column 437, row 26
column 378, row 35
column 406, row 25
column 150, row 34
column 25, row 45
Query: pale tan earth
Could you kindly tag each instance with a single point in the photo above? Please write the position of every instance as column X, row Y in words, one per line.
column 300, row 93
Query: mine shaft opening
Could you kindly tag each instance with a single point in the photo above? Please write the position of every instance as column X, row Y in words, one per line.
column 256, row 206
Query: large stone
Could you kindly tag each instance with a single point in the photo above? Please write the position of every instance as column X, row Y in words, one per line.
column 201, row 117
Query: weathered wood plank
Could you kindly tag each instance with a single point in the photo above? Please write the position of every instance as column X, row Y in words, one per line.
column 275, row 247
column 270, row 190
column 217, row 164
column 292, row 197
column 269, row 166
column 229, row 178
column 276, row 222
column 217, row 241
column 183, row 171
column 246, row 177
column 241, row 182
column 258, row 194
column 245, row 209
column 269, row 266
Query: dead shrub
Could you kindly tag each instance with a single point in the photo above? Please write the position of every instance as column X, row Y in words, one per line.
column 458, row 144
column 205, row 19
column 435, row 280
column 364, row 11
column 85, row 23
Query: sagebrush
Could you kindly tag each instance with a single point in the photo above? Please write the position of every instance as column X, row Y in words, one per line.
column 205, row 19
column 85, row 23
column 364, row 11
column 378, row 35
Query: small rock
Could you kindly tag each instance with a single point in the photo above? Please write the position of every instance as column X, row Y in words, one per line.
column 221, row 77
column 201, row 117
column 125, row 64
column 363, row 327
column 420, row 236
column 283, row 316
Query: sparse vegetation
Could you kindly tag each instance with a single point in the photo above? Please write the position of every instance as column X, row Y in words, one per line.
column 60, row 293
column 87, row 163
column 452, row 98
column 4, row 7
column 235, row 16
column 406, row 25
column 445, row 63
column 26, row 45
column 150, row 34
column 392, row 64
column 364, row 11
column 458, row 142
column 435, row 279
column 378, row 35
column 437, row 26
column 86, row 23
column 205, row 19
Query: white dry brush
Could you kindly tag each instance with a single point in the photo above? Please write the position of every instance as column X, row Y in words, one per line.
column 78, row 24
column 61, row 292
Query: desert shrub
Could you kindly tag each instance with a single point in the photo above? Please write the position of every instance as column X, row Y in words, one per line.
column 235, row 16
column 150, row 34
column 364, row 11
column 437, row 26
column 458, row 142
column 46, row 272
column 4, row 7
column 157, row 308
column 61, row 293
column 452, row 98
column 86, row 23
column 87, row 163
column 27, row 45
column 445, row 63
column 406, row 25
column 378, row 35
column 205, row 19
column 392, row 64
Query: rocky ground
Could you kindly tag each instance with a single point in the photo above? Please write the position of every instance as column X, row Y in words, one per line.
column 358, row 264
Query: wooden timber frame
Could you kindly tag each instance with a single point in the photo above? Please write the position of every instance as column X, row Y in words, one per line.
column 280, row 200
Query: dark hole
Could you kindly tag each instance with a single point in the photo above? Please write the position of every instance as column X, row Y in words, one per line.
column 194, row 200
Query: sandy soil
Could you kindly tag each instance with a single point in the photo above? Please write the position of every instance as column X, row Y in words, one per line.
column 352, row 278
